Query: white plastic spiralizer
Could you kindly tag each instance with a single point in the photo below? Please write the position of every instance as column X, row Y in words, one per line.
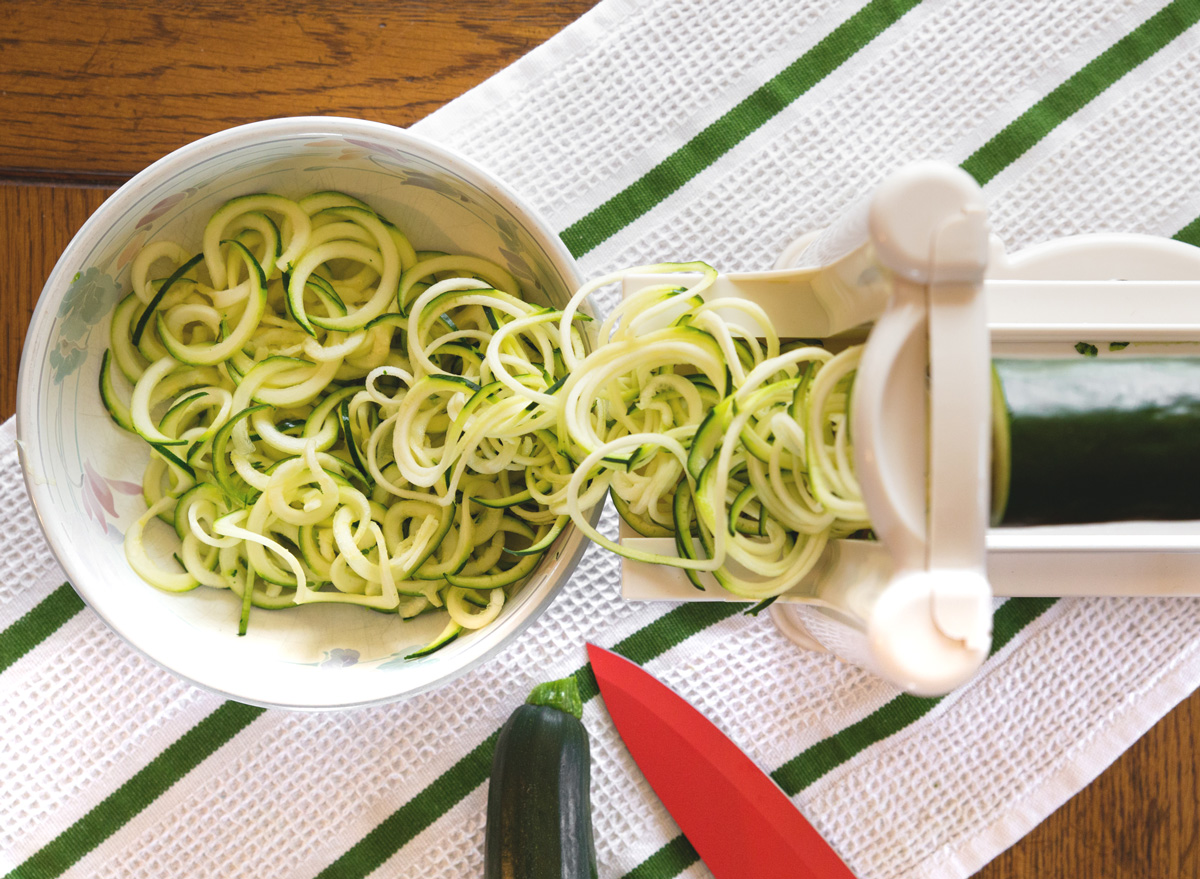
column 915, row 270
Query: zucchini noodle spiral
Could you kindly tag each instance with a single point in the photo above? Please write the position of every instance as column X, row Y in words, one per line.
column 732, row 443
column 331, row 414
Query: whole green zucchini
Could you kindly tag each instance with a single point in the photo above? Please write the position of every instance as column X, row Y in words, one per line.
column 539, row 813
column 1097, row 440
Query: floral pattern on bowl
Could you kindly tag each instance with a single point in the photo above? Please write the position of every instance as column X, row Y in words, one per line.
column 88, row 300
column 99, row 501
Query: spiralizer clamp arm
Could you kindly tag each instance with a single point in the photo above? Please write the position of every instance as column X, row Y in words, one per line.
column 921, row 417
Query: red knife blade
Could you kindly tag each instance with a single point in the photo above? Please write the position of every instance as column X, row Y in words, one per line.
column 736, row 818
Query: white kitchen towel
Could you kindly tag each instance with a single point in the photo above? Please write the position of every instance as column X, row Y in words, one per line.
column 648, row 131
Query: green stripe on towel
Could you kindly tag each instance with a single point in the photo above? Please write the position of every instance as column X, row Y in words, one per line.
column 1074, row 93
column 42, row 621
column 902, row 711
column 721, row 136
column 827, row 754
column 399, row 828
column 127, row 801
column 669, row 630
column 1189, row 234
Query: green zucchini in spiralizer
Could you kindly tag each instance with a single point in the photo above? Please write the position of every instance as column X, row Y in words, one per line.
column 1099, row 440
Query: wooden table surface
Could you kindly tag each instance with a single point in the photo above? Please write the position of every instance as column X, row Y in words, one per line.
column 90, row 93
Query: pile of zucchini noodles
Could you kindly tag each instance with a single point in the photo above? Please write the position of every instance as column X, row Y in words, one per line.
column 705, row 427
column 336, row 417
column 326, row 419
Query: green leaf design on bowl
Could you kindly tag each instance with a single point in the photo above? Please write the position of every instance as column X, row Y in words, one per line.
column 89, row 298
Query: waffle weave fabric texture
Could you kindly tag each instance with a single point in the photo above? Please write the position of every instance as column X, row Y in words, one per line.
column 646, row 132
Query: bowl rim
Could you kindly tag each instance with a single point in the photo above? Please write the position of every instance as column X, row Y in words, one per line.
column 121, row 201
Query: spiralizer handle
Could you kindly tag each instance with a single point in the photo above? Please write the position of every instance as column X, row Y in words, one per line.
column 921, row 443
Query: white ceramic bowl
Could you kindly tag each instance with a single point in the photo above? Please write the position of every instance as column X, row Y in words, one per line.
column 84, row 473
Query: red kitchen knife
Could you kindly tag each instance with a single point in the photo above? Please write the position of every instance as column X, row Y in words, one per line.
column 736, row 818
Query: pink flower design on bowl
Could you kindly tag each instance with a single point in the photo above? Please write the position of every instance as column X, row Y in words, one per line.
column 97, row 492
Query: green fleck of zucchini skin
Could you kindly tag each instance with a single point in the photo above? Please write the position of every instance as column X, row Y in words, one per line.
column 539, row 822
column 1102, row 440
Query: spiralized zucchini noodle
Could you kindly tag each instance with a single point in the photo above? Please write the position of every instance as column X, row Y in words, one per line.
column 713, row 431
column 333, row 416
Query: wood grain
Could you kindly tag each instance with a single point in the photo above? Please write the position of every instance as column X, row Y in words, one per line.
column 1139, row 820
column 97, row 91
column 91, row 92
column 39, row 222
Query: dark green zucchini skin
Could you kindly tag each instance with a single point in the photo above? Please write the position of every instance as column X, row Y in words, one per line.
column 1102, row 439
column 539, row 813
